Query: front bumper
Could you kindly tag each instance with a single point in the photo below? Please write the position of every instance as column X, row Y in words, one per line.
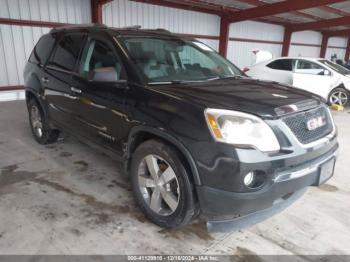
column 221, row 205
column 254, row 218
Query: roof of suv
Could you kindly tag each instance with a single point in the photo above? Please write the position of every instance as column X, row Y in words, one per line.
column 132, row 30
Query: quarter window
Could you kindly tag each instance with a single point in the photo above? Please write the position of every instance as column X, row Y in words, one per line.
column 67, row 51
column 282, row 64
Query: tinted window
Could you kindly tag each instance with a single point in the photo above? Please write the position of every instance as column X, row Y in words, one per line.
column 281, row 64
column 42, row 49
column 99, row 57
column 67, row 51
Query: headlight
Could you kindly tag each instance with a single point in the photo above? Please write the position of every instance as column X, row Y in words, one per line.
column 241, row 129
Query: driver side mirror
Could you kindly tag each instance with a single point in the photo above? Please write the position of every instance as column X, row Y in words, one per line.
column 326, row 72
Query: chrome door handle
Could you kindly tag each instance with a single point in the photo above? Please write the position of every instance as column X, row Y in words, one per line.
column 70, row 97
column 75, row 90
column 45, row 80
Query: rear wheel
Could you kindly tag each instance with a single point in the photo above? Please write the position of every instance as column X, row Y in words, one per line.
column 42, row 133
column 161, row 184
column 339, row 96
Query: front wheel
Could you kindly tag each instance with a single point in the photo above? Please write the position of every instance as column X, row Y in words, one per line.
column 339, row 96
column 161, row 185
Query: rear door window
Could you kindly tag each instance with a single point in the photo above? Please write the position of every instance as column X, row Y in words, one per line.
column 67, row 51
column 282, row 64
column 42, row 49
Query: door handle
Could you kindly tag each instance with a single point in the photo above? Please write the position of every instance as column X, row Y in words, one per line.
column 45, row 80
column 75, row 90
column 70, row 97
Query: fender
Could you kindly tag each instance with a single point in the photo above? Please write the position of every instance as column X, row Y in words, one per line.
column 346, row 83
column 33, row 86
column 162, row 134
column 39, row 100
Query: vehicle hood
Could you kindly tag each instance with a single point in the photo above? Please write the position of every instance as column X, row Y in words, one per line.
column 262, row 98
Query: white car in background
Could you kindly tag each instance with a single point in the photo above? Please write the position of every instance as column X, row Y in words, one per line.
column 316, row 75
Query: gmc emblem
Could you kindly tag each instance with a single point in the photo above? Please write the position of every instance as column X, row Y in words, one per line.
column 315, row 123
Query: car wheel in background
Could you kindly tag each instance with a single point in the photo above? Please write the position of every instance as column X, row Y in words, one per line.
column 339, row 96
column 162, row 185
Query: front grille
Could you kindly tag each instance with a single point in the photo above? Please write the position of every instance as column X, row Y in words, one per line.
column 298, row 125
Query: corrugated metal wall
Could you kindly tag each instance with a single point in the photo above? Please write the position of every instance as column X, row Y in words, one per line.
column 309, row 38
column 243, row 35
column 240, row 52
column 17, row 42
column 336, row 45
column 123, row 13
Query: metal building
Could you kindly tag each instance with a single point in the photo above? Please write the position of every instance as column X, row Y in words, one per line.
column 234, row 28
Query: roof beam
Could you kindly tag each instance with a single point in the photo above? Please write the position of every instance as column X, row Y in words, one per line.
column 278, row 8
column 322, row 24
column 333, row 10
column 103, row 2
column 201, row 3
column 345, row 32
column 183, row 5
column 10, row 21
column 205, row 7
column 261, row 3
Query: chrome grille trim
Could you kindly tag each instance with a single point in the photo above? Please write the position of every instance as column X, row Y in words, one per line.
column 325, row 139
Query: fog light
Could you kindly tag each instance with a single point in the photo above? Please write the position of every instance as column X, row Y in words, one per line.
column 249, row 179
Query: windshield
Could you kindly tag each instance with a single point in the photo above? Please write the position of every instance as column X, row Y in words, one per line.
column 338, row 68
column 169, row 60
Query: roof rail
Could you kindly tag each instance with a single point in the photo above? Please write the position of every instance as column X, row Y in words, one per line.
column 136, row 27
column 164, row 30
column 78, row 26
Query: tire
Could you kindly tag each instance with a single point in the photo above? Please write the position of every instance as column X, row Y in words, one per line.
column 42, row 133
column 164, row 213
column 338, row 96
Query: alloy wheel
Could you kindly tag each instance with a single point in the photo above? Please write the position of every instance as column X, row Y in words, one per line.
column 158, row 185
column 339, row 98
column 35, row 118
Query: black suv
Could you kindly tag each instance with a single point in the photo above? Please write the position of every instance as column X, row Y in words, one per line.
column 197, row 136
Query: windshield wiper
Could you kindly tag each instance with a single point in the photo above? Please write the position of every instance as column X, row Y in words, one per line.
column 232, row 77
column 182, row 81
column 174, row 82
column 169, row 82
